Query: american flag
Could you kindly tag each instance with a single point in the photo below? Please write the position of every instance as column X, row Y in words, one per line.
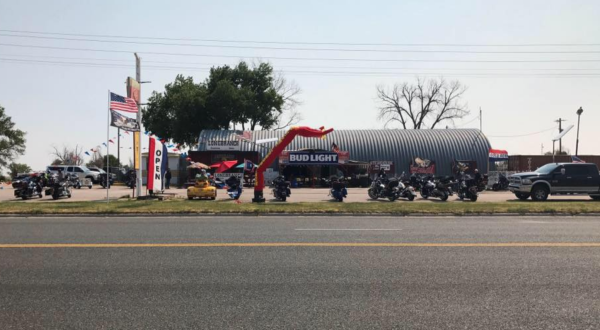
column 121, row 103
column 575, row 159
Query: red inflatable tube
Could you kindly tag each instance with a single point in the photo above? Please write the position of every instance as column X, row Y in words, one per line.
column 276, row 151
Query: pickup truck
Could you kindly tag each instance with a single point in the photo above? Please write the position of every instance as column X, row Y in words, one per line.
column 556, row 179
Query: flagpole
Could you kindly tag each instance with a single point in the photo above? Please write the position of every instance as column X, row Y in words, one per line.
column 107, row 148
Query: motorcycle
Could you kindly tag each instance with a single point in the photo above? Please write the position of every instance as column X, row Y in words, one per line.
column 383, row 188
column 234, row 188
column 338, row 190
column 281, row 189
column 501, row 184
column 467, row 188
column 435, row 188
column 130, row 179
column 102, row 178
column 75, row 182
column 28, row 189
column 59, row 188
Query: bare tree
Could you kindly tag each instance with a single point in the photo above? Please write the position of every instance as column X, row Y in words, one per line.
column 422, row 105
column 289, row 91
column 68, row 156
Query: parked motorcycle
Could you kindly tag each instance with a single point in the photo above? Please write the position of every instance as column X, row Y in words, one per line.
column 435, row 188
column 29, row 188
column 338, row 190
column 75, row 182
column 501, row 184
column 281, row 188
column 59, row 187
column 131, row 179
column 391, row 189
column 234, row 187
column 467, row 188
column 102, row 178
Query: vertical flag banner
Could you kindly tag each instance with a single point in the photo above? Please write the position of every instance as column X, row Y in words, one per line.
column 156, row 165
column 133, row 89
column 136, row 150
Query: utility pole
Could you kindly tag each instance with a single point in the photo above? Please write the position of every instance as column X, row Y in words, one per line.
column 138, row 77
column 559, row 121
column 480, row 121
column 542, row 148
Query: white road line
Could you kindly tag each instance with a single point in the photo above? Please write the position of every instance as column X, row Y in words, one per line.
column 347, row 229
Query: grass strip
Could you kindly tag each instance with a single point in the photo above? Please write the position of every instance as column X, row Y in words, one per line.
column 229, row 207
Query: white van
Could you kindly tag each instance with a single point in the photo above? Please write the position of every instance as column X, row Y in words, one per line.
column 81, row 171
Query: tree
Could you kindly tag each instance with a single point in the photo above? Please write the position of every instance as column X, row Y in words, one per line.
column 422, row 105
column 98, row 160
column 12, row 140
column 67, row 155
column 248, row 96
column 15, row 168
column 180, row 113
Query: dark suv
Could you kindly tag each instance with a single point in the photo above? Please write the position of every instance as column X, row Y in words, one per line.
column 555, row 179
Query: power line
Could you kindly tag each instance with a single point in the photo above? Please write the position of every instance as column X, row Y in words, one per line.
column 310, row 43
column 522, row 135
column 298, row 58
column 309, row 72
column 18, row 56
column 470, row 121
column 307, row 49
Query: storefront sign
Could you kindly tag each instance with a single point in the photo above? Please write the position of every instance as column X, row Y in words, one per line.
column 422, row 166
column 313, row 158
column 377, row 165
column 225, row 176
column 464, row 166
column 223, row 145
column 498, row 155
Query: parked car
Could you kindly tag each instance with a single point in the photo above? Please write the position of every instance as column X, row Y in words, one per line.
column 102, row 171
column 81, row 171
column 556, row 179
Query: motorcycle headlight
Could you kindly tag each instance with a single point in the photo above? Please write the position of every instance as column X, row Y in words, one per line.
column 526, row 181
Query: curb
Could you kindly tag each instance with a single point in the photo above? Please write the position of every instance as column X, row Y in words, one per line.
column 205, row 215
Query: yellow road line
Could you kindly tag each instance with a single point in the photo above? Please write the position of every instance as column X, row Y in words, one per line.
column 199, row 245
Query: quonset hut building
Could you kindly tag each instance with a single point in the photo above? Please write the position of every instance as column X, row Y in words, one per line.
column 437, row 151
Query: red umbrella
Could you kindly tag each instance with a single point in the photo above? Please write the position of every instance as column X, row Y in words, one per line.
column 224, row 165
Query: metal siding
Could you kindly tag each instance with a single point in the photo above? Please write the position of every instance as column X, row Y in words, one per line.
column 440, row 145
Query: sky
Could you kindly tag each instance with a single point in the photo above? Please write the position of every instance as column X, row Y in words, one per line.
column 65, row 103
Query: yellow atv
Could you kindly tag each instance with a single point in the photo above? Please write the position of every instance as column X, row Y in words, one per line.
column 202, row 189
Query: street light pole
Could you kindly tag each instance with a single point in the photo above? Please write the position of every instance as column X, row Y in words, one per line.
column 579, row 112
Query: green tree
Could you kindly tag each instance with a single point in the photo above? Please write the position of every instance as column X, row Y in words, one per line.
column 241, row 95
column 179, row 113
column 15, row 168
column 12, row 140
column 100, row 161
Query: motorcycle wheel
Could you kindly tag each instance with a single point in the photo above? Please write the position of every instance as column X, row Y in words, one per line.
column 341, row 199
column 283, row 198
column 444, row 197
column 54, row 196
column 411, row 197
column 424, row 196
column 24, row 197
column 372, row 194
column 473, row 198
column 392, row 198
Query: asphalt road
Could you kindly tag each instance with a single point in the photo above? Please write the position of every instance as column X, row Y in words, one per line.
column 300, row 272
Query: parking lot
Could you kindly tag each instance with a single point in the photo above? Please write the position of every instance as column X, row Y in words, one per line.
column 298, row 195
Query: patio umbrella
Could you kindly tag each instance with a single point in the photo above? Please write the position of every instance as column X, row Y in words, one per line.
column 242, row 165
column 199, row 166
column 224, row 165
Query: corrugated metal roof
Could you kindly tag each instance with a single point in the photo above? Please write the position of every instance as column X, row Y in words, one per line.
column 399, row 146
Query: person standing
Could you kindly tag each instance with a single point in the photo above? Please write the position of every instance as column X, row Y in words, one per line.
column 168, row 179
